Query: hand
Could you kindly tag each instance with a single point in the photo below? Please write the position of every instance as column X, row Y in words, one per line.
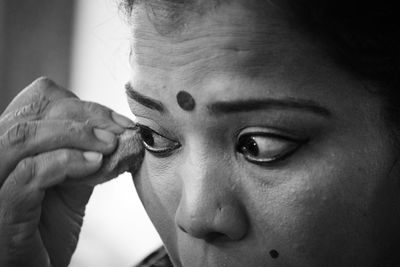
column 48, row 135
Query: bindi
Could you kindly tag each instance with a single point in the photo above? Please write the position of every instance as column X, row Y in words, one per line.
column 185, row 101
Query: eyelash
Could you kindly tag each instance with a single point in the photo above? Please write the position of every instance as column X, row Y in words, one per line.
column 147, row 133
column 247, row 144
column 284, row 147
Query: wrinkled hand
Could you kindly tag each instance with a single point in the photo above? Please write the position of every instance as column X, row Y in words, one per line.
column 48, row 136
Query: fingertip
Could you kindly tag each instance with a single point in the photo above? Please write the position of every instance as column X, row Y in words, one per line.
column 93, row 157
column 107, row 138
column 104, row 136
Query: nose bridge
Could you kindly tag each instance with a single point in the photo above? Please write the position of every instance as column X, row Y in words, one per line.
column 208, row 205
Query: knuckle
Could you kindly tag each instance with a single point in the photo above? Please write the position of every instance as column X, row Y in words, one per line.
column 16, row 242
column 66, row 108
column 73, row 128
column 27, row 166
column 46, row 86
column 12, row 180
column 89, row 124
column 64, row 156
column 91, row 106
column 96, row 108
column 21, row 132
column 43, row 83
column 72, row 132
column 63, row 159
column 87, row 127
column 36, row 108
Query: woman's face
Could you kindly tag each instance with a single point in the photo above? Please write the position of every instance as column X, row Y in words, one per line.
column 285, row 159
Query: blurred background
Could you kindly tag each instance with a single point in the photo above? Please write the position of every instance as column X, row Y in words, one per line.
column 83, row 45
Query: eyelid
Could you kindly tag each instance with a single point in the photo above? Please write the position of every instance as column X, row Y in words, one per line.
column 155, row 151
column 150, row 124
column 291, row 147
column 272, row 132
column 293, row 143
column 150, row 129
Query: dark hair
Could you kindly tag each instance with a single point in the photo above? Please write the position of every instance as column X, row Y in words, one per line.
column 362, row 36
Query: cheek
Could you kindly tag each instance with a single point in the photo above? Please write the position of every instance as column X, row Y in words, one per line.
column 159, row 192
column 323, row 213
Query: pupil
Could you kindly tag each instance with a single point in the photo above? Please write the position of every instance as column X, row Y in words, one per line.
column 147, row 137
column 249, row 146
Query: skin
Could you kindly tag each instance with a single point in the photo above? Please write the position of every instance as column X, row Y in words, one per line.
column 50, row 141
column 334, row 201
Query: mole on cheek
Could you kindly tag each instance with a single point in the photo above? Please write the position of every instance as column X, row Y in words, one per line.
column 185, row 101
column 274, row 254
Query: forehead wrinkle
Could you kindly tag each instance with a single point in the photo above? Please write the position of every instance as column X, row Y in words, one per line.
column 246, row 29
column 169, row 17
column 245, row 47
column 251, row 32
column 208, row 52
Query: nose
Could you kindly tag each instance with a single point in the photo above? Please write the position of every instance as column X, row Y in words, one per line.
column 209, row 208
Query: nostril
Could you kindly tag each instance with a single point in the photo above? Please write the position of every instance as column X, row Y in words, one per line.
column 213, row 237
column 218, row 224
column 182, row 229
column 209, row 236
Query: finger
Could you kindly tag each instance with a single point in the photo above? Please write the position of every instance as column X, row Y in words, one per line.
column 41, row 90
column 30, row 112
column 24, row 188
column 23, row 192
column 28, row 138
column 60, row 235
column 96, row 114
column 32, row 102
column 31, row 138
column 68, row 109
column 44, row 99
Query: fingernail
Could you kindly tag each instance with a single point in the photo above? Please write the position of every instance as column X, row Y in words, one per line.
column 105, row 136
column 122, row 120
column 92, row 156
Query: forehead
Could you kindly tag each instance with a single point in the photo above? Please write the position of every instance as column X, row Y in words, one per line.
column 233, row 39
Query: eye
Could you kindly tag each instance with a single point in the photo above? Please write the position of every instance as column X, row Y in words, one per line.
column 155, row 143
column 265, row 148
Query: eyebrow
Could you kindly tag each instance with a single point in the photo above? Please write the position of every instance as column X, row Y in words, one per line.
column 225, row 107
column 144, row 100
